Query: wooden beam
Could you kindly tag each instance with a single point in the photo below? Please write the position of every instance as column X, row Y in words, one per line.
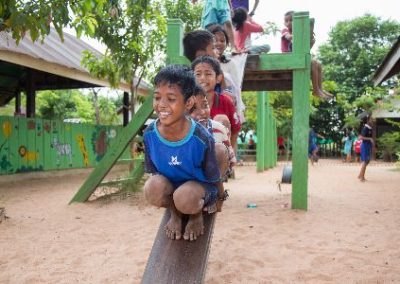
column 30, row 94
column 179, row 261
column 282, row 61
column 301, row 108
column 115, row 150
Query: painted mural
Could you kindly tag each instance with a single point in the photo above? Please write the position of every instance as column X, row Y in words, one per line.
column 28, row 144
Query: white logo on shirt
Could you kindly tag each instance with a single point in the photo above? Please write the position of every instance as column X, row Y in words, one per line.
column 174, row 161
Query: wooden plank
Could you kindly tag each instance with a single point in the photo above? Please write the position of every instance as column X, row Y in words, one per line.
column 48, row 161
column 260, row 131
column 181, row 261
column 113, row 153
column 282, row 61
column 13, row 145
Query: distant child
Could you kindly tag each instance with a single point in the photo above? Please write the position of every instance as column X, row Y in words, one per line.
column 357, row 149
column 244, row 4
column 232, row 77
column 244, row 27
column 312, row 145
column 218, row 12
column 208, row 74
column 180, row 155
column 316, row 69
column 366, row 146
column 348, row 145
column 201, row 113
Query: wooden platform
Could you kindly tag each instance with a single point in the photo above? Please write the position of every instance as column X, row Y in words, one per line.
column 265, row 80
column 181, row 261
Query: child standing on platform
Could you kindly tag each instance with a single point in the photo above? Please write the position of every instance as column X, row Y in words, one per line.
column 316, row 69
column 180, row 153
column 208, row 74
column 218, row 12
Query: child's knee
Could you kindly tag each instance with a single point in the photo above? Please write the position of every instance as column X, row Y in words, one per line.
column 188, row 198
column 157, row 189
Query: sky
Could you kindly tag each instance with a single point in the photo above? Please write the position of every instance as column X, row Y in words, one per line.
column 326, row 14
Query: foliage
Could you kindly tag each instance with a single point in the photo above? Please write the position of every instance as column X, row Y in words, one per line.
column 184, row 10
column 354, row 50
column 349, row 58
column 389, row 144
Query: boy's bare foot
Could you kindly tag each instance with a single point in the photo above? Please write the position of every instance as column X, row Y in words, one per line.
column 173, row 229
column 363, row 180
column 194, row 227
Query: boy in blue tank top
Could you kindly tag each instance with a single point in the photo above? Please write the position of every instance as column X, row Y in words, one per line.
column 180, row 155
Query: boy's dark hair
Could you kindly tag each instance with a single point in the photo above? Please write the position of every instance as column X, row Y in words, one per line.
column 179, row 75
column 239, row 17
column 220, row 29
column 199, row 91
column 195, row 41
column 209, row 60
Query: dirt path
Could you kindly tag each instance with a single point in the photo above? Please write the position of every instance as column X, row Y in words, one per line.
column 350, row 234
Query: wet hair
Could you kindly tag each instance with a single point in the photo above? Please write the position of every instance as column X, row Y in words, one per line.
column 214, row 29
column 195, row 41
column 209, row 60
column 239, row 17
column 179, row 75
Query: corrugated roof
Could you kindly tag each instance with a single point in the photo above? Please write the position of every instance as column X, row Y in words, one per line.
column 67, row 53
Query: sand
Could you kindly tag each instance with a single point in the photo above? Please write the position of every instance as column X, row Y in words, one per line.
column 350, row 234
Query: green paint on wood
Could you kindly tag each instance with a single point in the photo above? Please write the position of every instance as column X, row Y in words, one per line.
column 260, row 131
column 280, row 61
column 112, row 155
column 301, row 90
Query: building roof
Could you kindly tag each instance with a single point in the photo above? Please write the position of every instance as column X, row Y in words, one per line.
column 389, row 66
column 54, row 61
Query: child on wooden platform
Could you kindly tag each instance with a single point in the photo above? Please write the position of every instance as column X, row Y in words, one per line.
column 208, row 74
column 244, row 26
column 316, row 69
column 218, row 12
column 180, row 155
column 232, row 76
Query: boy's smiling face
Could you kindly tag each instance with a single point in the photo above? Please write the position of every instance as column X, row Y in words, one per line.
column 201, row 111
column 169, row 104
column 206, row 77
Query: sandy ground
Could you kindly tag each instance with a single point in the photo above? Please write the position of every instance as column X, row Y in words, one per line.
column 350, row 234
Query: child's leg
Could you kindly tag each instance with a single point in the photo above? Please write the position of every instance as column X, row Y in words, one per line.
column 158, row 191
column 257, row 49
column 316, row 79
column 189, row 199
column 222, row 155
column 229, row 30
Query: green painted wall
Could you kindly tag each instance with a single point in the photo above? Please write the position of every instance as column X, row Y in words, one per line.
column 34, row 144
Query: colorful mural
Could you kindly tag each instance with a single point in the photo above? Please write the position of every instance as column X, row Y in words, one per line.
column 28, row 144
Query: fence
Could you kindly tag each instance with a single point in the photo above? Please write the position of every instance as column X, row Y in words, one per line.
column 34, row 144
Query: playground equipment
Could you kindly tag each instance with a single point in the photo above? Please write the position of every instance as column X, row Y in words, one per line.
column 185, row 262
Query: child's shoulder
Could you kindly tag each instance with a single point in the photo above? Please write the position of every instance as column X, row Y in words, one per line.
column 201, row 132
column 150, row 128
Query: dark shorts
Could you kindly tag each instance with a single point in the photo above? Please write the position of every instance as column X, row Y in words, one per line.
column 281, row 147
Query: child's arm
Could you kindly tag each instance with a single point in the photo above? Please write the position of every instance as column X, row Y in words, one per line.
column 251, row 14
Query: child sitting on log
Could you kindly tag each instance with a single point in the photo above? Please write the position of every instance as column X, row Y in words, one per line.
column 180, row 155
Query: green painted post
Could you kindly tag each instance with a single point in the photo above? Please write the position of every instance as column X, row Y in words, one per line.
column 112, row 154
column 260, row 132
column 174, row 42
column 274, row 140
column 266, row 143
column 301, row 87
